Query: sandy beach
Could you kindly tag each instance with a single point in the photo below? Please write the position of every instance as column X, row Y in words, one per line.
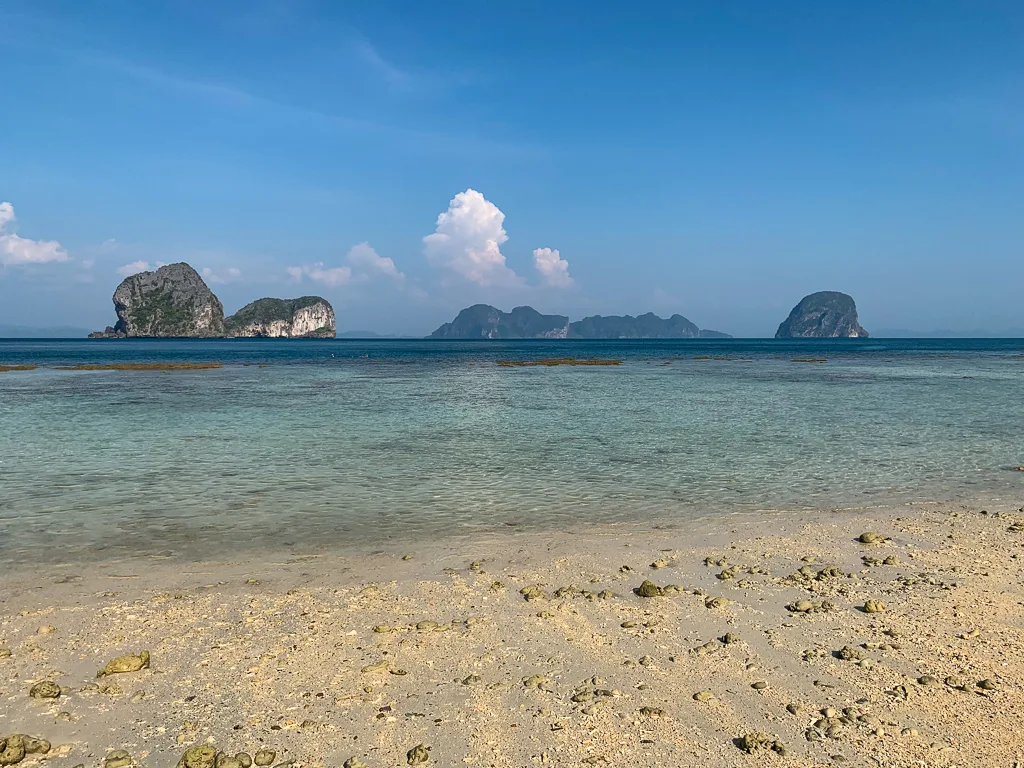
column 778, row 639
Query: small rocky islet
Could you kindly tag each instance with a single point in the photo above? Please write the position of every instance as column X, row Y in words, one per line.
column 759, row 649
column 823, row 315
column 175, row 302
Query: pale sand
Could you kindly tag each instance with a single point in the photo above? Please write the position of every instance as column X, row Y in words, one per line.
column 288, row 663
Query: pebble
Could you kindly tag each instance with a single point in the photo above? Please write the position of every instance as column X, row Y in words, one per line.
column 870, row 537
column 47, row 689
column 703, row 696
column 417, row 755
column 649, row 589
column 716, row 602
column 874, row 606
column 264, row 757
column 119, row 758
column 533, row 592
column 754, row 742
column 130, row 662
column 5, row 653
column 354, row 762
column 760, row 685
column 203, row 756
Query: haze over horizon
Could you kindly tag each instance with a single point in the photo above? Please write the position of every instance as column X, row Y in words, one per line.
column 719, row 160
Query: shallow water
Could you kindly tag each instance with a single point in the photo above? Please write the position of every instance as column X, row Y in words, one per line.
column 356, row 444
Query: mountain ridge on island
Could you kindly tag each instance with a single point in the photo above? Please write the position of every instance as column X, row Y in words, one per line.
column 175, row 302
column 482, row 321
column 823, row 315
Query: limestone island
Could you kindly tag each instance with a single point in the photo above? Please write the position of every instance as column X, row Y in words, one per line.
column 175, row 302
column 482, row 321
column 823, row 315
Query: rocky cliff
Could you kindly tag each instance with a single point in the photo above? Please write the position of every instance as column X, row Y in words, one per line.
column 173, row 301
column 822, row 315
column 483, row 321
column 305, row 317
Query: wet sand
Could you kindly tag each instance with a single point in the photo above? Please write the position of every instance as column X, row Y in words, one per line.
column 329, row 658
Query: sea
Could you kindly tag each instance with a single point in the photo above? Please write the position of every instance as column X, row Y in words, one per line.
column 352, row 445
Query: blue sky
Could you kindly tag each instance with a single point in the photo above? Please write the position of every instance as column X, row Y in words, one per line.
column 718, row 159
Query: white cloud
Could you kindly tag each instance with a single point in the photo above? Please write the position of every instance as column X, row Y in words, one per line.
column 365, row 261
column 554, row 270
column 228, row 275
column 133, row 269
column 364, row 264
column 317, row 272
column 15, row 249
column 467, row 241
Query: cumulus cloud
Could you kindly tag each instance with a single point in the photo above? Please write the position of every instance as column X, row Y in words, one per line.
column 553, row 269
column 467, row 241
column 133, row 269
column 15, row 249
column 364, row 264
column 228, row 275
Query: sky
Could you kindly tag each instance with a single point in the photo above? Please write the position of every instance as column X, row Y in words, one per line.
column 406, row 159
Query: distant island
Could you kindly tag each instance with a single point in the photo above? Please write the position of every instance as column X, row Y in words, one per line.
column 482, row 321
column 823, row 315
column 175, row 302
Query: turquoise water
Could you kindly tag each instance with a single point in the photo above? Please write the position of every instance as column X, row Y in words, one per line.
column 373, row 444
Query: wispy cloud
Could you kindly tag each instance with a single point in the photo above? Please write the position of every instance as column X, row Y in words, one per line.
column 366, row 52
column 318, row 272
column 363, row 265
column 127, row 270
column 221, row 276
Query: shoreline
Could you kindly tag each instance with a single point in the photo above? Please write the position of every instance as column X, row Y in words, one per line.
column 326, row 657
